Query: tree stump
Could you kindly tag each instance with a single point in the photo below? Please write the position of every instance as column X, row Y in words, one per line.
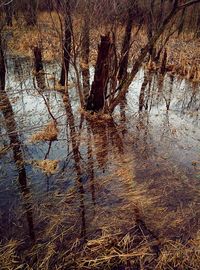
column 96, row 100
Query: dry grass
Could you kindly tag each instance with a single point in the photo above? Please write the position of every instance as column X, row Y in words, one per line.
column 4, row 150
column 49, row 133
column 183, row 51
column 47, row 166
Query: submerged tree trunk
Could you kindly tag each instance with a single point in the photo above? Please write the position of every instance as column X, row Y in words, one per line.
column 85, row 51
column 96, row 100
column 67, row 45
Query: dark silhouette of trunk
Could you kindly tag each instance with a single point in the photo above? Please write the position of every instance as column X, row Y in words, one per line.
column 67, row 44
column 38, row 59
column 198, row 27
column 181, row 25
column 31, row 12
column 39, row 70
column 124, row 85
column 142, row 91
column 164, row 63
column 126, row 43
column 2, row 67
column 85, row 51
column 96, row 100
column 9, row 14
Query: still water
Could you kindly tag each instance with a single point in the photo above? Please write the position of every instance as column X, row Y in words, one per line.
column 109, row 170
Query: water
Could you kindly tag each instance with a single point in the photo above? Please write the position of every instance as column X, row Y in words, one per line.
column 109, row 169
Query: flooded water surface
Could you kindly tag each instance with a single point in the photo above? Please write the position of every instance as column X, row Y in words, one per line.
column 67, row 178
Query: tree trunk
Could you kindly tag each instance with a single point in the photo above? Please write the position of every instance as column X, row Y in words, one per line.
column 126, row 43
column 164, row 63
column 96, row 100
column 67, row 45
column 31, row 12
column 9, row 14
column 85, row 51
column 123, row 87
column 2, row 67
column 38, row 59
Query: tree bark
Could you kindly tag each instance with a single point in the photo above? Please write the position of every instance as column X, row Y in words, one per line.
column 2, row 67
column 126, row 43
column 85, row 51
column 96, row 100
column 67, row 45
column 9, row 14
column 38, row 59
column 31, row 12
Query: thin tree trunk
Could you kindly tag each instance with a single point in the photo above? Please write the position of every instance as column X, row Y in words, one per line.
column 2, row 67
column 126, row 43
column 31, row 12
column 85, row 51
column 38, row 59
column 9, row 14
column 164, row 63
column 67, row 45
column 123, row 87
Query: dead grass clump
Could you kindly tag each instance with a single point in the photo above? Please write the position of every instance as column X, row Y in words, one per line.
column 97, row 117
column 4, row 150
column 175, row 255
column 49, row 133
column 47, row 166
column 8, row 257
column 117, row 252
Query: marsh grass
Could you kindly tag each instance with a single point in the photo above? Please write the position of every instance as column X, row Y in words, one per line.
column 125, row 225
column 183, row 50
column 47, row 166
column 48, row 133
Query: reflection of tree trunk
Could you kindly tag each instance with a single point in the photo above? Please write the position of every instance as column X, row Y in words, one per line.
column 76, row 155
column 11, row 127
column 100, row 133
column 96, row 100
column 115, row 137
column 18, row 158
column 90, row 168
column 66, row 45
column 145, row 95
